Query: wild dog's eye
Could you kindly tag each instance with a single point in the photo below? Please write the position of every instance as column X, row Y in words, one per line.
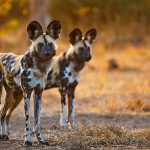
column 40, row 45
column 51, row 45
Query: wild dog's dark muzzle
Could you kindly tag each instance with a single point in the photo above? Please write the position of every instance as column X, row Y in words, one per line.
column 88, row 54
column 49, row 51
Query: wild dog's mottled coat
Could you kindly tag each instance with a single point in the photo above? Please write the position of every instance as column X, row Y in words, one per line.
column 24, row 74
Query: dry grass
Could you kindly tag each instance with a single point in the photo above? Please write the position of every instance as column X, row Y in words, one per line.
column 134, row 104
column 100, row 136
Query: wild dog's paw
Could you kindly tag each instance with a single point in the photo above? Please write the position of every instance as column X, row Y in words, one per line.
column 4, row 137
column 27, row 143
column 43, row 143
column 72, row 125
column 63, row 125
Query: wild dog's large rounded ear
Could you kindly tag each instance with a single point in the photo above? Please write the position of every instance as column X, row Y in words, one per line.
column 34, row 30
column 91, row 35
column 75, row 36
column 54, row 29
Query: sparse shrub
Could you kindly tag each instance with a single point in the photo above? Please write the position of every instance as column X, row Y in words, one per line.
column 134, row 104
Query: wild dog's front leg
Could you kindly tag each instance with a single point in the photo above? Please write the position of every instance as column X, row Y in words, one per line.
column 71, row 95
column 71, row 109
column 37, row 109
column 27, row 95
column 4, row 125
column 17, row 97
column 63, row 122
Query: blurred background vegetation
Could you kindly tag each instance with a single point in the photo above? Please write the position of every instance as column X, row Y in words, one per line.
column 117, row 78
column 119, row 22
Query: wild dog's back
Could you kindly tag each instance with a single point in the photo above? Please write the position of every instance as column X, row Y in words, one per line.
column 1, row 74
column 9, row 64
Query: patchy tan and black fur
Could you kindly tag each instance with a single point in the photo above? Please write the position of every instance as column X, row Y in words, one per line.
column 23, row 74
column 66, row 69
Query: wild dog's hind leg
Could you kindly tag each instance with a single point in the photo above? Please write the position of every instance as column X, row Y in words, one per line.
column 37, row 110
column 17, row 97
column 71, row 108
column 8, row 99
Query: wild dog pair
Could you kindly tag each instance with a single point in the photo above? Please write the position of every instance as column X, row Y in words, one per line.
column 24, row 74
column 64, row 72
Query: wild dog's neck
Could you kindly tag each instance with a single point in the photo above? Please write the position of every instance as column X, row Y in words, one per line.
column 34, row 61
column 76, row 63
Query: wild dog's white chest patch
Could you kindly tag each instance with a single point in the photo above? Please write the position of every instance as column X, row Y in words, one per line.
column 70, row 74
column 37, row 78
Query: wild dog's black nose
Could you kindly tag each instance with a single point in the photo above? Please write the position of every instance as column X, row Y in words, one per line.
column 47, row 53
column 50, row 52
column 88, row 58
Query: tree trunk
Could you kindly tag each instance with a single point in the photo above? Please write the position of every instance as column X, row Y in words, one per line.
column 39, row 11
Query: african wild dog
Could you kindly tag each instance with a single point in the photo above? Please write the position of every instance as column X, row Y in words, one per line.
column 66, row 69
column 23, row 74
